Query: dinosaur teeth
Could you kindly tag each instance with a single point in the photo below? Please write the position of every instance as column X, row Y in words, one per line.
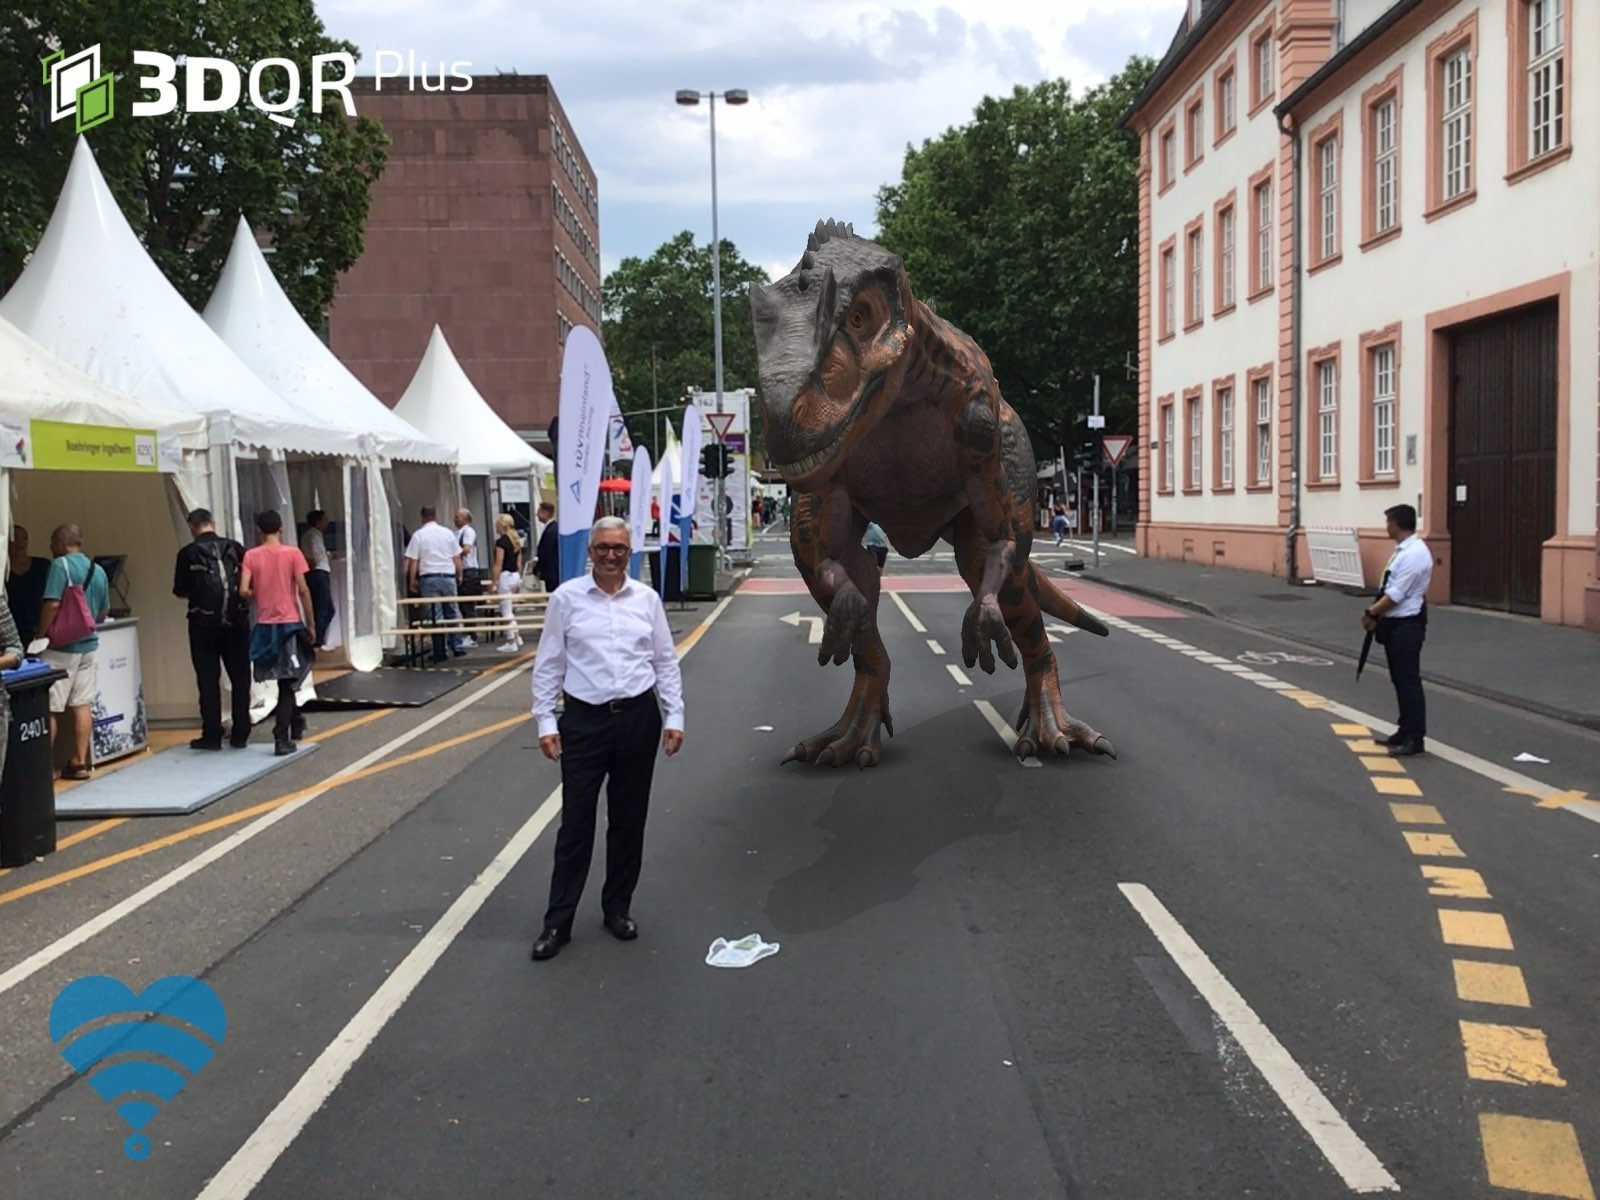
column 812, row 461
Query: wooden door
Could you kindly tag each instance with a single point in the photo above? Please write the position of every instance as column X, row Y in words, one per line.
column 1503, row 415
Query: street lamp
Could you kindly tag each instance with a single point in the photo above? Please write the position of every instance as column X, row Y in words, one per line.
column 690, row 97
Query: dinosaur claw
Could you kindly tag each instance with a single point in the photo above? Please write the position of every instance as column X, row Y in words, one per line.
column 888, row 723
column 1063, row 745
column 864, row 759
column 1102, row 745
column 825, row 759
column 792, row 756
column 1025, row 748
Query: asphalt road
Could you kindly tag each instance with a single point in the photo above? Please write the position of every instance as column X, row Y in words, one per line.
column 995, row 980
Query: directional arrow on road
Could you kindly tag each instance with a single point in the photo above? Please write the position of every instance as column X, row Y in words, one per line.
column 815, row 637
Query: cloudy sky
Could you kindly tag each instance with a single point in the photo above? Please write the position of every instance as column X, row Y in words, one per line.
column 838, row 88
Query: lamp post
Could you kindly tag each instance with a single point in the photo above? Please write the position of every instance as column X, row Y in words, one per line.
column 690, row 97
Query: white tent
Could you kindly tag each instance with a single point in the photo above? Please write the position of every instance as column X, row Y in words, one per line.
column 92, row 296
column 250, row 312
column 443, row 402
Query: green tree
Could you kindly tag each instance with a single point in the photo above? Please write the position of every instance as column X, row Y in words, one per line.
column 183, row 179
column 659, row 336
column 1023, row 228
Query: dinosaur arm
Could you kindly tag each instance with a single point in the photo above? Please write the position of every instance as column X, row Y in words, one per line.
column 999, row 464
column 823, row 526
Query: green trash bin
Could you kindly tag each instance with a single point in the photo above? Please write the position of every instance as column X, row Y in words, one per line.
column 702, row 572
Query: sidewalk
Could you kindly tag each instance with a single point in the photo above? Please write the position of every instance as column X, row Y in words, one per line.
column 1521, row 661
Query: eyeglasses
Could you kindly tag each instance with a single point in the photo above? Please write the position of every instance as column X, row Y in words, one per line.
column 613, row 551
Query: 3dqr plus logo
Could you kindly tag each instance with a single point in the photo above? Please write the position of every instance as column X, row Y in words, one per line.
column 137, row 1064
column 78, row 87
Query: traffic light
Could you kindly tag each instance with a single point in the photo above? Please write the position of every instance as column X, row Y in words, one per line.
column 709, row 463
column 1088, row 455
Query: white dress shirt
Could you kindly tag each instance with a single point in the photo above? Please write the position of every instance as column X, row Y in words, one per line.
column 315, row 549
column 601, row 648
column 1410, row 571
column 467, row 537
column 435, row 549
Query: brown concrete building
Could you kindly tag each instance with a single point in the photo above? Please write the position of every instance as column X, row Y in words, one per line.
column 486, row 222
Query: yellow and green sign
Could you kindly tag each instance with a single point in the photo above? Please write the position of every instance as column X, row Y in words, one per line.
column 58, row 446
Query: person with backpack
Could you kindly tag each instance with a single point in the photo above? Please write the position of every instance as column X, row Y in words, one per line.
column 77, row 597
column 208, row 577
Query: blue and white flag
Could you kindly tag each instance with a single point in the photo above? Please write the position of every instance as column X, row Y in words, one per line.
column 586, row 399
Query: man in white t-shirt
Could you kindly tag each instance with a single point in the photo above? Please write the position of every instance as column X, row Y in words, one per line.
column 471, row 568
column 433, row 568
column 320, row 578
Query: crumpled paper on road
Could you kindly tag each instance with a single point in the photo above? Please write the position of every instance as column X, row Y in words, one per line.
column 748, row 949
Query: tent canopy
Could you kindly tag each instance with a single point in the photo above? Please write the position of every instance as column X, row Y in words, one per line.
column 92, row 296
column 442, row 402
column 35, row 385
column 250, row 312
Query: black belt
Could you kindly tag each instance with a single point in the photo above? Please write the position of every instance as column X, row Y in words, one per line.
column 439, row 575
column 1419, row 616
column 614, row 706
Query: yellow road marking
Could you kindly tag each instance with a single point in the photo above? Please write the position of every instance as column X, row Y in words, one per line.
column 1456, row 883
column 1352, row 731
column 1542, row 1157
column 1308, row 699
column 1416, row 814
column 1432, row 845
column 1367, row 746
column 1396, row 787
column 356, row 723
column 1491, row 983
column 83, row 835
column 1562, row 799
column 1487, row 931
column 246, row 814
column 1509, row 1054
column 1383, row 766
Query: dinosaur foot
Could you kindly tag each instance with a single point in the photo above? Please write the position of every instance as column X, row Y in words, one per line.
column 851, row 739
column 1044, row 723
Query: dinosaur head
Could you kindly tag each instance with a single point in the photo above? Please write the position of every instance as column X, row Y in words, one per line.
column 831, row 340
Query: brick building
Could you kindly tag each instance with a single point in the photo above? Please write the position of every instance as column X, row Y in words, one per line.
column 1371, row 275
column 485, row 222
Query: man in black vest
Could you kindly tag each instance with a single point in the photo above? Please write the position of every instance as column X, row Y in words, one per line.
column 207, row 576
column 547, row 558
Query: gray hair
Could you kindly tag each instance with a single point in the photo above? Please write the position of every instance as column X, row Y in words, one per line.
column 607, row 524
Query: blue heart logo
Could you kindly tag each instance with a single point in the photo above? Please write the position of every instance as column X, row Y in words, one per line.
column 137, row 1064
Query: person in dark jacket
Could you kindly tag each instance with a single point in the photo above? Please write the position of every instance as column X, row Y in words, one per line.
column 208, row 577
column 547, row 559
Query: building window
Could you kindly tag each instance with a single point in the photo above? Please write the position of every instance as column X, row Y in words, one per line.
column 1261, row 234
column 1195, row 128
column 1226, row 256
column 1227, row 100
column 1386, row 183
column 1191, row 416
column 1383, row 411
column 1225, row 438
column 1325, row 155
column 1457, row 124
column 1195, row 312
column 1169, row 285
column 1263, row 82
column 1546, row 77
column 1168, row 450
column 1263, row 438
column 1168, row 140
column 1327, row 443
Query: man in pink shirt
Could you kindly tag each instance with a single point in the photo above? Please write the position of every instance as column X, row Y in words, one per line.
column 274, row 579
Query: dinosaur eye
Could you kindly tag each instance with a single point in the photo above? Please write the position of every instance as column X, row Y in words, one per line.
column 856, row 319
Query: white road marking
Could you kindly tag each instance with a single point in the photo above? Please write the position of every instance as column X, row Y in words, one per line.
column 1007, row 734
column 935, row 647
column 910, row 616
column 814, row 636
column 1104, row 546
column 1344, row 1150
column 251, row 1162
column 958, row 674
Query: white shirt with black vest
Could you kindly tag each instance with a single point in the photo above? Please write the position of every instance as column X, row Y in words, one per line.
column 599, row 648
column 1410, row 571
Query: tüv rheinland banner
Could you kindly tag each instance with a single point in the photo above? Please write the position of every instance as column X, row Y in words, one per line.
column 586, row 401
column 639, row 507
column 688, row 479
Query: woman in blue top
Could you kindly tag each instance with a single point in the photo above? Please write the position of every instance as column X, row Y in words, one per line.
column 76, row 693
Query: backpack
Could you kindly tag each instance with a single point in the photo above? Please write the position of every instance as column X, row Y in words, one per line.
column 214, row 582
column 73, row 621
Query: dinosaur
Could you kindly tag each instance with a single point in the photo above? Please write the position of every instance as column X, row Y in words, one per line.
column 878, row 409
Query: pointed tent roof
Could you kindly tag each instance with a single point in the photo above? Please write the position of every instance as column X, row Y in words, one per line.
column 442, row 402
column 93, row 297
column 252, row 314
column 35, row 385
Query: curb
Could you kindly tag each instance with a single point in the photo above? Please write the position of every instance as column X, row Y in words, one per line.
column 1565, row 716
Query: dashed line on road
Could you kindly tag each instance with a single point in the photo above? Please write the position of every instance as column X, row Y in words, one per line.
column 905, row 610
column 1004, row 730
column 958, row 674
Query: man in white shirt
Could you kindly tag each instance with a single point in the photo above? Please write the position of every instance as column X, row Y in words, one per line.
column 607, row 647
column 433, row 568
column 471, row 568
column 320, row 577
column 1400, row 619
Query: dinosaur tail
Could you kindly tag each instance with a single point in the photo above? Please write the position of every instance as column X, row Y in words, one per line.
column 1060, row 605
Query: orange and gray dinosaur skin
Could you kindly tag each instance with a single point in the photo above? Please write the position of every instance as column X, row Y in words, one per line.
column 877, row 409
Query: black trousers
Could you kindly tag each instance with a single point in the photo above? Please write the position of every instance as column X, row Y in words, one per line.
column 288, row 719
column 1402, row 645
column 320, row 584
column 214, row 650
column 597, row 746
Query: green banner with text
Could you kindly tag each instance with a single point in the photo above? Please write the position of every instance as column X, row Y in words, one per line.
column 58, row 446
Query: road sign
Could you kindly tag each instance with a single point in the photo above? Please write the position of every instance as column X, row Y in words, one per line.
column 815, row 635
column 1116, row 446
column 720, row 423
column 1097, row 421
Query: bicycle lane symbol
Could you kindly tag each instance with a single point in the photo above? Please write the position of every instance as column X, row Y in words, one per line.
column 1270, row 658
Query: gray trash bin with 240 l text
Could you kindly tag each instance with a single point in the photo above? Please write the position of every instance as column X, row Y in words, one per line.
column 27, row 788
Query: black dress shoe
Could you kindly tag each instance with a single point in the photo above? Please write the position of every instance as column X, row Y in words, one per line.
column 622, row 926
column 281, row 748
column 1394, row 739
column 239, row 743
column 1405, row 749
column 550, row 943
column 203, row 743
column 297, row 731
